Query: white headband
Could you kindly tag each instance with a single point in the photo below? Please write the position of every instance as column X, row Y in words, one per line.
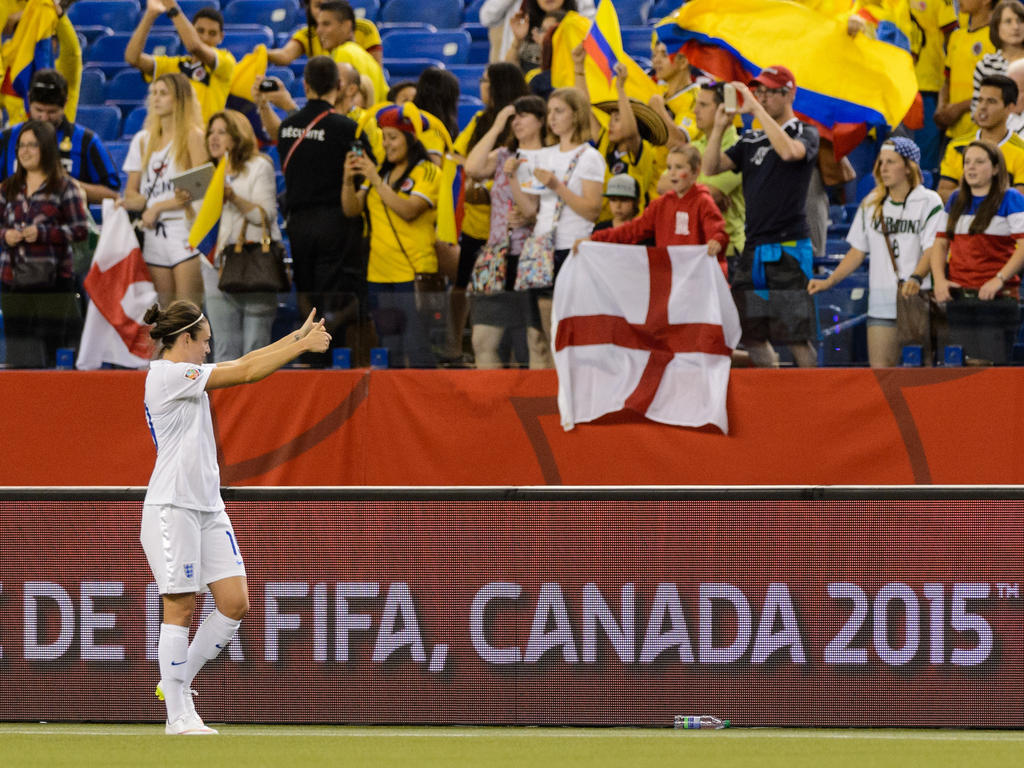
column 201, row 317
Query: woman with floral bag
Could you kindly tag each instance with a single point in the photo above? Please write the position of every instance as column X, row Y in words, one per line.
column 571, row 174
column 498, row 311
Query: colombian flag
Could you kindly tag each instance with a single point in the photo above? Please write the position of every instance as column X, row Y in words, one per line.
column 30, row 48
column 603, row 43
column 240, row 94
column 203, row 235
column 844, row 85
column 597, row 45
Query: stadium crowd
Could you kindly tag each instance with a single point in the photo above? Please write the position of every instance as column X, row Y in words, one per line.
column 418, row 200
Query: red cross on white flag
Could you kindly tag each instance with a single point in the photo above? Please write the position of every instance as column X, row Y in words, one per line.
column 649, row 330
column 120, row 290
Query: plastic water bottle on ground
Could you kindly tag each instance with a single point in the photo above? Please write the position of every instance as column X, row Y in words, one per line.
column 706, row 722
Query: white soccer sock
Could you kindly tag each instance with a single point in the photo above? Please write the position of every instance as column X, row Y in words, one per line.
column 172, row 652
column 211, row 637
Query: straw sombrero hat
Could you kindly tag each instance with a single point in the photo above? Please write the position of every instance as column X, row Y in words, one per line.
column 650, row 124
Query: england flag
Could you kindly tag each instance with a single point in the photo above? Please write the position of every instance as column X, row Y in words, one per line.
column 120, row 290
column 650, row 330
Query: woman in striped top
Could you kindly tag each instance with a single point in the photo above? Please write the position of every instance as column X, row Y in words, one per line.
column 981, row 231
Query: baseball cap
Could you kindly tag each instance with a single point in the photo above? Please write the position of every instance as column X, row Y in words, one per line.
column 776, row 77
column 622, row 185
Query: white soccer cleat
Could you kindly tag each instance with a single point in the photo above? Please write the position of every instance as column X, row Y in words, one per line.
column 190, row 708
column 189, row 725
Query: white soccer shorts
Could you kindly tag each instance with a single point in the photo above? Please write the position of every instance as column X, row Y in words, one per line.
column 188, row 549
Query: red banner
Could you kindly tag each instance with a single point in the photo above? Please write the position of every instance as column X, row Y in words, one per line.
column 540, row 610
column 388, row 428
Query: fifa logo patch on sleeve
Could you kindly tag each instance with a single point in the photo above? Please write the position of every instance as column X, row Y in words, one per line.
column 407, row 185
column 191, row 374
column 190, row 569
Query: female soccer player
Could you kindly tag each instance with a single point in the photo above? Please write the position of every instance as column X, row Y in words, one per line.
column 186, row 534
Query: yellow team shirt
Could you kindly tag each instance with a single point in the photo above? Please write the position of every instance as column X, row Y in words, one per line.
column 681, row 105
column 964, row 52
column 642, row 167
column 306, row 37
column 1012, row 147
column 365, row 64
column 372, row 131
column 211, row 86
column 476, row 218
column 388, row 263
column 366, row 34
column 934, row 17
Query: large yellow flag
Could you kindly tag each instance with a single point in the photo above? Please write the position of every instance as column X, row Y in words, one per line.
column 573, row 30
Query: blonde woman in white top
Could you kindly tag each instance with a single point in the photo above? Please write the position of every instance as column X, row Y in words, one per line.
column 243, row 320
column 170, row 142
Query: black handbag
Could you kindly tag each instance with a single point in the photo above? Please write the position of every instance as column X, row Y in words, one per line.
column 254, row 267
column 33, row 274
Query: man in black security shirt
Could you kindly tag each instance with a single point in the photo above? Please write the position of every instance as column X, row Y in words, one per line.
column 328, row 259
column 770, row 282
column 81, row 152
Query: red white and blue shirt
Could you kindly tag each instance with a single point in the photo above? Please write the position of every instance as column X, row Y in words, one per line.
column 975, row 259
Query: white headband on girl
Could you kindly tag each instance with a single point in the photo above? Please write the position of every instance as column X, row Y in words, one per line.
column 198, row 319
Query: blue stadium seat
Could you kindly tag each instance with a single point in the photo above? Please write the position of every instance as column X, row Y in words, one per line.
column 663, row 8
column 241, row 41
column 836, row 246
column 107, row 52
column 469, row 76
column 126, row 106
column 842, row 316
column 298, row 67
column 91, row 32
column 126, row 85
column 472, row 13
column 449, row 46
column 118, row 150
column 405, row 26
column 91, row 89
column 480, row 52
column 466, row 110
column 476, row 31
column 133, row 123
column 188, row 8
column 297, row 88
column 444, row 14
column 284, row 74
column 409, row 69
column 366, row 9
column 636, row 41
column 632, row 13
column 119, row 15
column 104, row 120
column 275, row 158
column 272, row 13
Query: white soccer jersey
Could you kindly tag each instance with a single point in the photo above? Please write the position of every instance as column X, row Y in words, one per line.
column 912, row 225
column 178, row 412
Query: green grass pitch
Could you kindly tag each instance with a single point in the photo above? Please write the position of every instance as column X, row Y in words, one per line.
column 243, row 746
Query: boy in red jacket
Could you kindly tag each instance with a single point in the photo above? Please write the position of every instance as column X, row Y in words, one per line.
column 685, row 215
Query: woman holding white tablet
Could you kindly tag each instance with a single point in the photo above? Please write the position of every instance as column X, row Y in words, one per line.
column 170, row 142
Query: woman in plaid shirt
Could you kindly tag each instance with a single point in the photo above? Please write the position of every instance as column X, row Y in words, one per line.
column 43, row 213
